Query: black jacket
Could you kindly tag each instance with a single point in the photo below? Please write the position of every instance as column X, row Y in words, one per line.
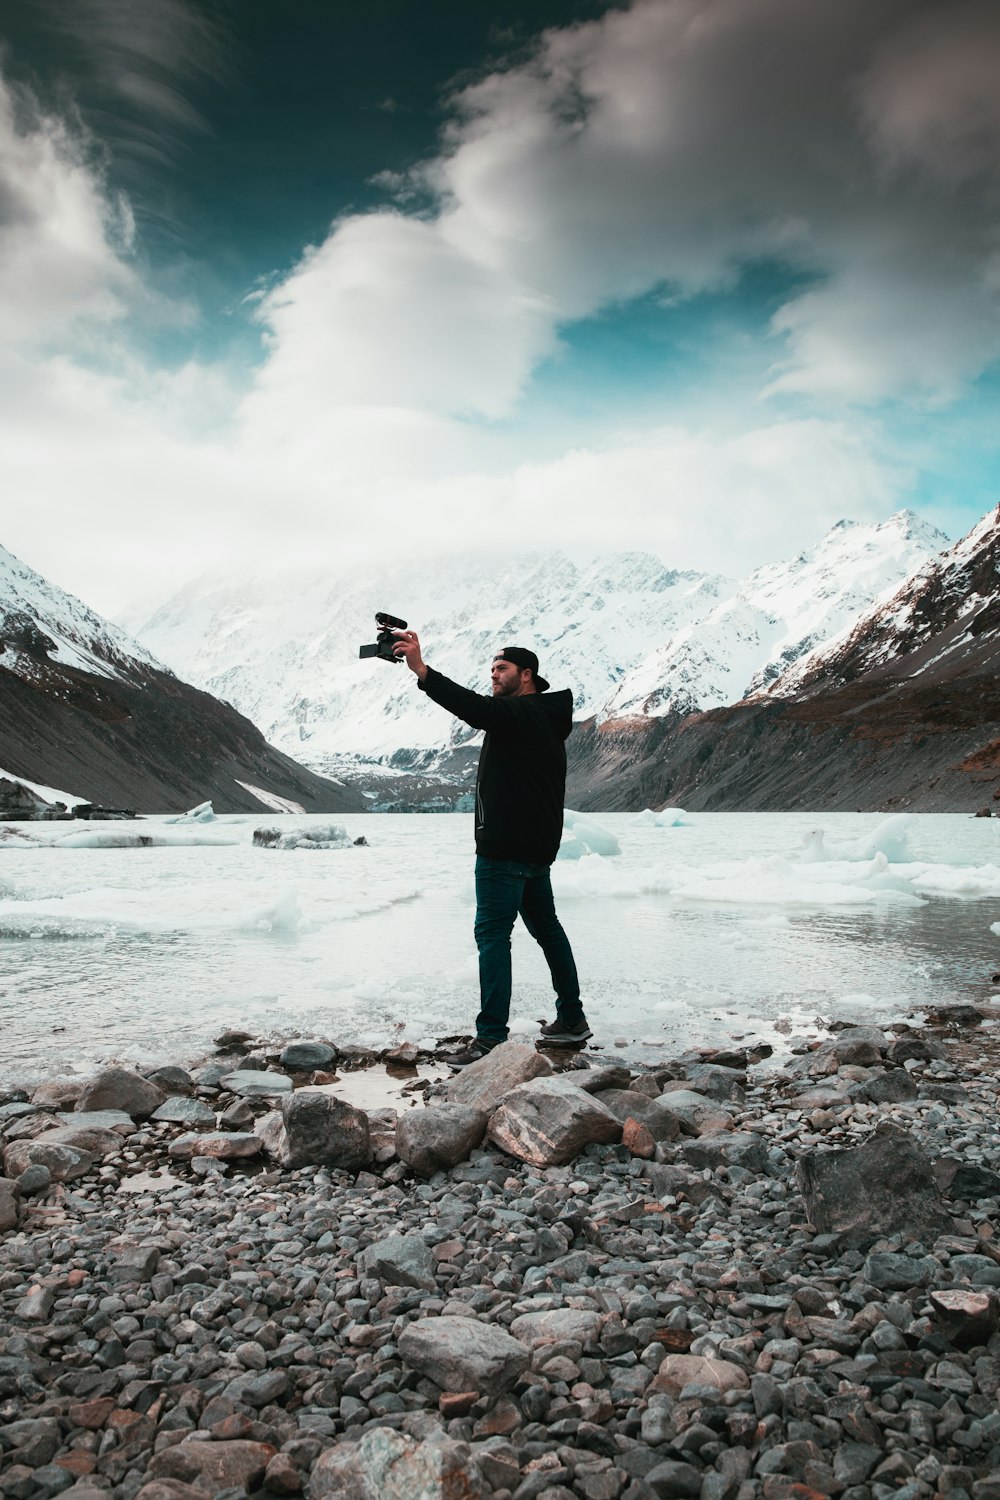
column 522, row 767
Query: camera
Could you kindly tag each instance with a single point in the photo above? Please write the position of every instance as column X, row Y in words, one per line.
column 385, row 641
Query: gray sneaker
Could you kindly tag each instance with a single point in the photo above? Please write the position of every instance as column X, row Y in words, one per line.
column 555, row 1034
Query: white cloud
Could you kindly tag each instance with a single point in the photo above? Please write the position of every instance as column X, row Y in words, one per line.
column 63, row 238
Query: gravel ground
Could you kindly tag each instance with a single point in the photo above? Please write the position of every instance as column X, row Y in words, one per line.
column 668, row 1323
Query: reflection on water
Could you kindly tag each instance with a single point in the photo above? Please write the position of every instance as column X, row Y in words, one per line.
column 693, row 935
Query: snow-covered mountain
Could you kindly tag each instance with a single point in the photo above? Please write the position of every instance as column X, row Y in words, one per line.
column 629, row 636
column 784, row 616
column 86, row 709
column 40, row 621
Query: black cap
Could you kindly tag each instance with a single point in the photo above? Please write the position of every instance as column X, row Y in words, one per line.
column 521, row 657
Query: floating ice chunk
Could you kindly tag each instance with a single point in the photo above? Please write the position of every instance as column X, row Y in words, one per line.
column 995, row 928
column 970, row 882
column 777, row 882
column 203, row 813
column 586, row 837
column 814, row 850
column 119, row 838
column 667, row 817
column 316, row 836
column 284, row 915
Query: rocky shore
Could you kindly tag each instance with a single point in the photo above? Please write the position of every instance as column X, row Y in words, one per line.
column 560, row 1279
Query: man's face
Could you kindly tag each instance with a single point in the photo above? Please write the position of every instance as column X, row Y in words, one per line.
column 508, row 680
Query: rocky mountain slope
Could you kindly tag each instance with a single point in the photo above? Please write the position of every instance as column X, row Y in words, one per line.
column 86, row 709
column 901, row 711
column 631, row 637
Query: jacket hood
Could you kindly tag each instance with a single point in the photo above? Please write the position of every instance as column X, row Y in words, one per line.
column 559, row 707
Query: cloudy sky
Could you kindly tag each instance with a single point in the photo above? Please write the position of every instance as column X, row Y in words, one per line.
column 322, row 282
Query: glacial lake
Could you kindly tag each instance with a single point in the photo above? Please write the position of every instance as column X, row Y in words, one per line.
column 723, row 928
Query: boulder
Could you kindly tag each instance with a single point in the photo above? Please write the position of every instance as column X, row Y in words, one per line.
column 627, row 1104
column 956, row 1179
column 180, row 1109
column 306, row 1057
column 118, row 1088
column 8, row 1205
column 433, row 1140
column 881, row 1188
column 462, row 1354
column 99, row 1119
column 549, row 1121
column 234, row 1464
column 578, row 1326
column 693, row 1113
column 885, row 1088
column 861, row 1046
column 254, row 1083
column 389, row 1465
column 740, row 1148
column 172, row 1080
column 57, row 1093
column 225, row 1145
column 65, row 1163
column 316, row 1129
column 898, row 1273
column 715, row 1081
column 401, row 1260
column 601, row 1076
column 487, row 1081
column 92, row 1138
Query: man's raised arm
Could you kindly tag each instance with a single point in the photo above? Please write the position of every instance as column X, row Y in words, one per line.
column 472, row 708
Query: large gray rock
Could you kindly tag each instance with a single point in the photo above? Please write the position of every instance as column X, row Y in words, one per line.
column 489, row 1080
column 389, row 1465
column 180, row 1109
column 740, row 1148
column 92, row 1138
column 236, row 1463
column 627, row 1104
column 462, row 1354
column 578, row 1326
column 65, row 1163
column 433, row 1140
column 306, row 1057
column 224, row 1145
column 254, row 1083
column 118, row 1088
column 884, row 1187
column 549, row 1121
column 401, row 1260
column 8, row 1205
column 693, row 1113
column 601, row 1076
column 861, row 1046
column 100, row 1119
column 317, row 1129
column 57, row 1093
column 716, row 1082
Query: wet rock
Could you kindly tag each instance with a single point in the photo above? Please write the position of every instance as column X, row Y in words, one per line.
column 433, row 1140
column 895, row 1273
column 403, row 1056
column 694, row 1113
column 306, row 1057
column 463, row 1354
column 885, row 1186
column 885, row 1088
column 638, row 1139
column 179, row 1109
column 601, row 1076
column 92, row 1138
column 717, row 1082
column 57, row 1093
column 172, row 1080
column 65, row 1163
column 224, row 1145
column 487, row 1081
column 36, row 1179
column 389, row 1465
column 316, row 1129
column 253, row 1083
column 401, row 1260
column 626, row 1104
column 118, row 1088
column 549, row 1121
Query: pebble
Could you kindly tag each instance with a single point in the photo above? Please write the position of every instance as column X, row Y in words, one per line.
column 616, row 1327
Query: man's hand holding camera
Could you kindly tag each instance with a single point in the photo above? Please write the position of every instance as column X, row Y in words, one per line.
column 407, row 648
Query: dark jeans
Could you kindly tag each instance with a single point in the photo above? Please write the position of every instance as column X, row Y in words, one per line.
column 506, row 888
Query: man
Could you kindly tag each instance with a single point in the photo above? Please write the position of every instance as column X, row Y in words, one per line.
column 520, row 789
